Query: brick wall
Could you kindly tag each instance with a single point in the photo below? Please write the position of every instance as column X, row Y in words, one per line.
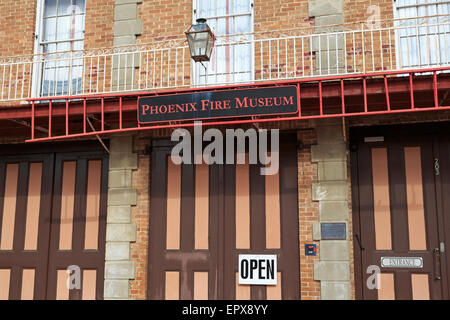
column 279, row 18
column 308, row 213
column 18, row 23
column 99, row 24
column 17, row 27
column 17, row 37
column 140, row 216
column 356, row 16
column 355, row 11
column 280, row 14
column 164, row 20
column 167, row 20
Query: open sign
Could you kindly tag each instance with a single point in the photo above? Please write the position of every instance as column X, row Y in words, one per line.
column 258, row 269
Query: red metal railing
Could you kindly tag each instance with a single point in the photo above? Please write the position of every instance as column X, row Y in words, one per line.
column 324, row 97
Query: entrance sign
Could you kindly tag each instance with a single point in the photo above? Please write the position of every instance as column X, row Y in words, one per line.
column 218, row 104
column 401, row 262
column 258, row 269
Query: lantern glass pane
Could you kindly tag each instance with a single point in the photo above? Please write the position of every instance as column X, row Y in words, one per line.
column 198, row 43
column 209, row 46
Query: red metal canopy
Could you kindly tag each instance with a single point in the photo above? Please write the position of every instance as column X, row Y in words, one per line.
column 57, row 118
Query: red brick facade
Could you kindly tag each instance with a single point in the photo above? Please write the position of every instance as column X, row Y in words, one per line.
column 140, row 216
column 307, row 214
column 18, row 25
column 167, row 20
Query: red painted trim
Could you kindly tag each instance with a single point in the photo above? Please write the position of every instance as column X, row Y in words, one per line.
column 32, row 120
column 386, row 90
column 187, row 125
column 365, row 93
column 120, row 112
column 411, row 90
column 67, row 117
column 320, row 98
column 103, row 114
column 84, row 115
column 309, row 91
column 435, row 90
column 49, row 119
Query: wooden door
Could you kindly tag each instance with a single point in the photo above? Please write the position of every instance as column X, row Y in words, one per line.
column 396, row 217
column 25, row 207
column 52, row 216
column 442, row 171
column 202, row 217
column 183, row 236
column 78, row 226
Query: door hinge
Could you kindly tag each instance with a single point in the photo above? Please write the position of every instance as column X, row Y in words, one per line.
column 436, row 167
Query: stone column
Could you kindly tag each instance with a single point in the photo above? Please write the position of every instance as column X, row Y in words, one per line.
column 120, row 232
column 329, row 50
column 333, row 268
column 126, row 27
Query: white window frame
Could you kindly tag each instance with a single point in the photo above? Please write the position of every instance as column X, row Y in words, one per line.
column 398, row 51
column 195, row 75
column 38, row 50
column 37, row 66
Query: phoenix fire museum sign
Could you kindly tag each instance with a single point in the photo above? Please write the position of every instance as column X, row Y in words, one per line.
column 218, row 104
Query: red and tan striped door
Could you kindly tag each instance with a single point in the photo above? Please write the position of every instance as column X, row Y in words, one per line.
column 261, row 217
column 202, row 217
column 25, row 206
column 442, row 167
column 396, row 218
column 78, row 225
column 183, row 238
column 52, row 216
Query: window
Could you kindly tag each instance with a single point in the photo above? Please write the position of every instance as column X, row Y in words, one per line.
column 423, row 32
column 232, row 24
column 60, row 43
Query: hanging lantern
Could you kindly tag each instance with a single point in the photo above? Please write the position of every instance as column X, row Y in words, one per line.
column 201, row 41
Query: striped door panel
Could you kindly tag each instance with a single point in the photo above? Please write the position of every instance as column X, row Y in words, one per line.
column 25, row 207
column 52, row 216
column 183, row 244
column 396, row 198
column 203, row 217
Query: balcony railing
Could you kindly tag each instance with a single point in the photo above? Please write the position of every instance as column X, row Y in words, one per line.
column 247, row 58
